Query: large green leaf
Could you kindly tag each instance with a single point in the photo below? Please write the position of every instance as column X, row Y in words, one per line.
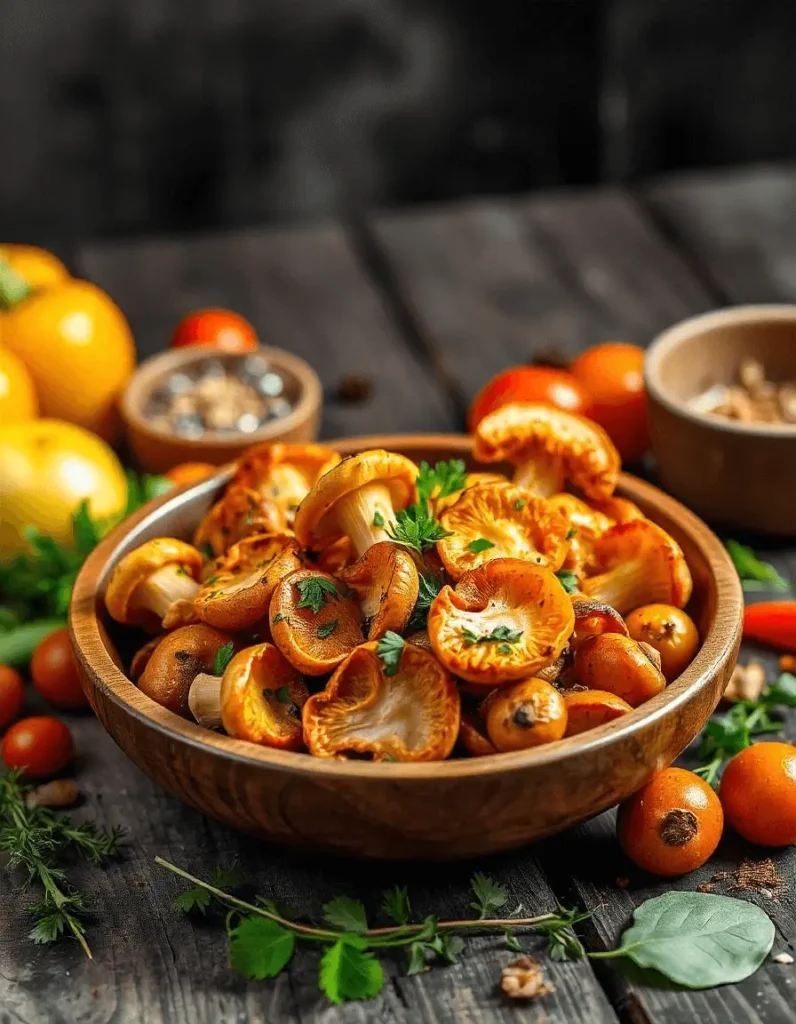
column 347, row 971
column 259, row 948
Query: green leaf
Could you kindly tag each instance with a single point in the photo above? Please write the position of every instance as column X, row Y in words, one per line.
column 750, row 568
column 511, row 941
column 447, row 947
column 314, row 592
column 571, row 532
column 568, row 580
column 347, row 971
column 224, row 656
column 520, row 504
column 416, row 954
column 50, row 928
column 489, row 895
column 85, row 531
column 346, row 914
column 479, row 544
column 444, row 479
column 283, row 695
column 430, row 586
column 259, row 948
column 195, row 899
column 415, row 527
column 782, row 693
column 395, row 905
column 226, row 878
column 326, row 629
column 389, row 649
column 499, row 635
column 378, row 518
column 699, row 940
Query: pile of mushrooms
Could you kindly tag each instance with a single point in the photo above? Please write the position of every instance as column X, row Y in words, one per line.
column 372, row 608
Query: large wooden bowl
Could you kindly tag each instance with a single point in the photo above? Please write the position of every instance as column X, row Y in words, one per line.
column 443, row 810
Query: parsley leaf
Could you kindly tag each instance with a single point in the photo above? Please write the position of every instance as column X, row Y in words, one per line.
column 279, row 617
column 259, row 948
column 395, row 904
column 283, row 695
column 389, row 649
column 430, row 586
column 489, row 895
column 347, row 971
column 378, row 518
column 415, row 527
column 416, row 961
column 346, row 914
column 444, row 479
column 571, row 532
column 752, row 570
column 447, row 947
column 326, row 629
column 520, row 504
column 193, row 899
column 224, row 656
column 500, row 634
column 568, row 580
column 479, row 544
column 314, row 591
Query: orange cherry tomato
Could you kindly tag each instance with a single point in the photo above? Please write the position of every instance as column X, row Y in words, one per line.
column 525, row 714
column 613, row 377
column 40, row 746
column 586, row 709
column 18, row 399
column 672, row 825
column 758, row 793
column 529, row 384
column 670, row 631
column 53, row 670
column 190, row 473
column 12, row 695
column 218, row 328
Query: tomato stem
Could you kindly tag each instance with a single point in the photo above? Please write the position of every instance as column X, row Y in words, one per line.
column 13, row 287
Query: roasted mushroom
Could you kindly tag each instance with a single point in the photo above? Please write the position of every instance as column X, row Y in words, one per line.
column 150, row 579
column 471, row 480
column 638, row 563
column 505, row 620
column 585, row 525
column 410, row 713
column 177, row 660
column 238, row 593
column 314, row 621
column 473, row 736
column 140, row 659
column 586, row 709
column 618, row 664
column 386, row 582
column 548, row 446
column 498, row 520
column 356, row 499
column 593, row 617
column 618, row 510
column 525, row 714
column 240, row 513
column 284, row 473
column 261, row 697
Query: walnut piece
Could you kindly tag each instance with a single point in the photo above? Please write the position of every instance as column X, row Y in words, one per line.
column 523, row 979
column 747, row 682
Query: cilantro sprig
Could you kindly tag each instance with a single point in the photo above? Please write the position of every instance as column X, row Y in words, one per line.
column 315, row 591
column 415, row 526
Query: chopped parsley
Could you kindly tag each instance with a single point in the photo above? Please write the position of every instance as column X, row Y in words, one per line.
column 415, row 527
column 389, row 649
column 378, row 518
column 479, row 544
column 444, row 479
column 326, row 629
column 571, row 532
column 430, row 586
column 500, row 634
column 315, row 591
column 279, row 617
column 223, row 657
column 283, row 695
column 568, row 580
column 520, row 504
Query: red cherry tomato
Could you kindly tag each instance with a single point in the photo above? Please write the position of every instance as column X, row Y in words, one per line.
column 529, row 384
column 218, row 328
column 40, row 746
column 613, row 377
column 12, row 695
column 53, row 670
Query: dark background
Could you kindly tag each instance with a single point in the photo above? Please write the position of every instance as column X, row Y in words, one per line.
column 131, row 116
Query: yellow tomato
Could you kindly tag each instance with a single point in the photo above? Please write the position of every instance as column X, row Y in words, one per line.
column 46, row 469
column 78, row 347
column 37, row 267
column 18, row 402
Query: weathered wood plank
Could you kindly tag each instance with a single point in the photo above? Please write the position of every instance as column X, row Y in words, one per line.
column 303, row 290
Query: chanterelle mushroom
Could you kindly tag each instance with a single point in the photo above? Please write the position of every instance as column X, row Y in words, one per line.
column 150, row 579
column 284, row 473
column 548, row 446
column 314, row 621
column 585, row 525
column 238, row 593
column 616, row 663
column 386, row 583
column 177, row 660
column 406, row 713
column 505, row 620
column 638, row 563
column 240, row 513
column 498, row 520
column 358, row 498
column 261, row 698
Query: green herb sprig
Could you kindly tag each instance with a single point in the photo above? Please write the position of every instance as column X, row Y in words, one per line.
column 415, row 526
column 430, row 586
column 42, row 843
column 314, row 592
column 755, row 574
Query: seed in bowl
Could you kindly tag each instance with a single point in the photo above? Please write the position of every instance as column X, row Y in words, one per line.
column 754, row 399
column 395, row 612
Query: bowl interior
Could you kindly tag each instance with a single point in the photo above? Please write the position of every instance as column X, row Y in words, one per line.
column 716, row 607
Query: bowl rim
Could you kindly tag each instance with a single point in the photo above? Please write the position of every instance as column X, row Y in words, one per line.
column 310, row 396
column 689, row 330
column 97, row 665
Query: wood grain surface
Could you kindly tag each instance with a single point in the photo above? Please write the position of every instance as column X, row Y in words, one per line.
column 593, row 266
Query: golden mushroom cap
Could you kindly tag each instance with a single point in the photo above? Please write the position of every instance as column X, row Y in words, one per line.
column 519, row 432
column 315, row 524
column 284, row 473
column 240, row 513
column 386, row 582
column 176, row 661
column 138, row 565
column 262, row 695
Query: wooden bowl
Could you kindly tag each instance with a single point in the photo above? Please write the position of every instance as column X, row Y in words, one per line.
column 443, row 810
column 156, row 450
column 737, row 474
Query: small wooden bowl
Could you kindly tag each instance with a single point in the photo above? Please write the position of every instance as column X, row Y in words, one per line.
column 737, row 474
column 156, row 450
column 444, row 810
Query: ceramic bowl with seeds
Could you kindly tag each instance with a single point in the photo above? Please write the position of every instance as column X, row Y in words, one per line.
column 722, row 409
column 196, row 404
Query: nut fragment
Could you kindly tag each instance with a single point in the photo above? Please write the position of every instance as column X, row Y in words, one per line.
column 782, row 958
column 58, row 793
column 747, row 682
column 523, row 979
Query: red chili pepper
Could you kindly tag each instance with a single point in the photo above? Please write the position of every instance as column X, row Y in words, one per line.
column 771, row 622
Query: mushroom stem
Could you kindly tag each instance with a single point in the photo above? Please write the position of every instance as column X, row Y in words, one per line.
column 542, row 475
column 165, row 586
column 356, row 511
column 204, row 700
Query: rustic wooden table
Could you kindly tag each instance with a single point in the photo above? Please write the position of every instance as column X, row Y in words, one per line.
column 429, row 302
